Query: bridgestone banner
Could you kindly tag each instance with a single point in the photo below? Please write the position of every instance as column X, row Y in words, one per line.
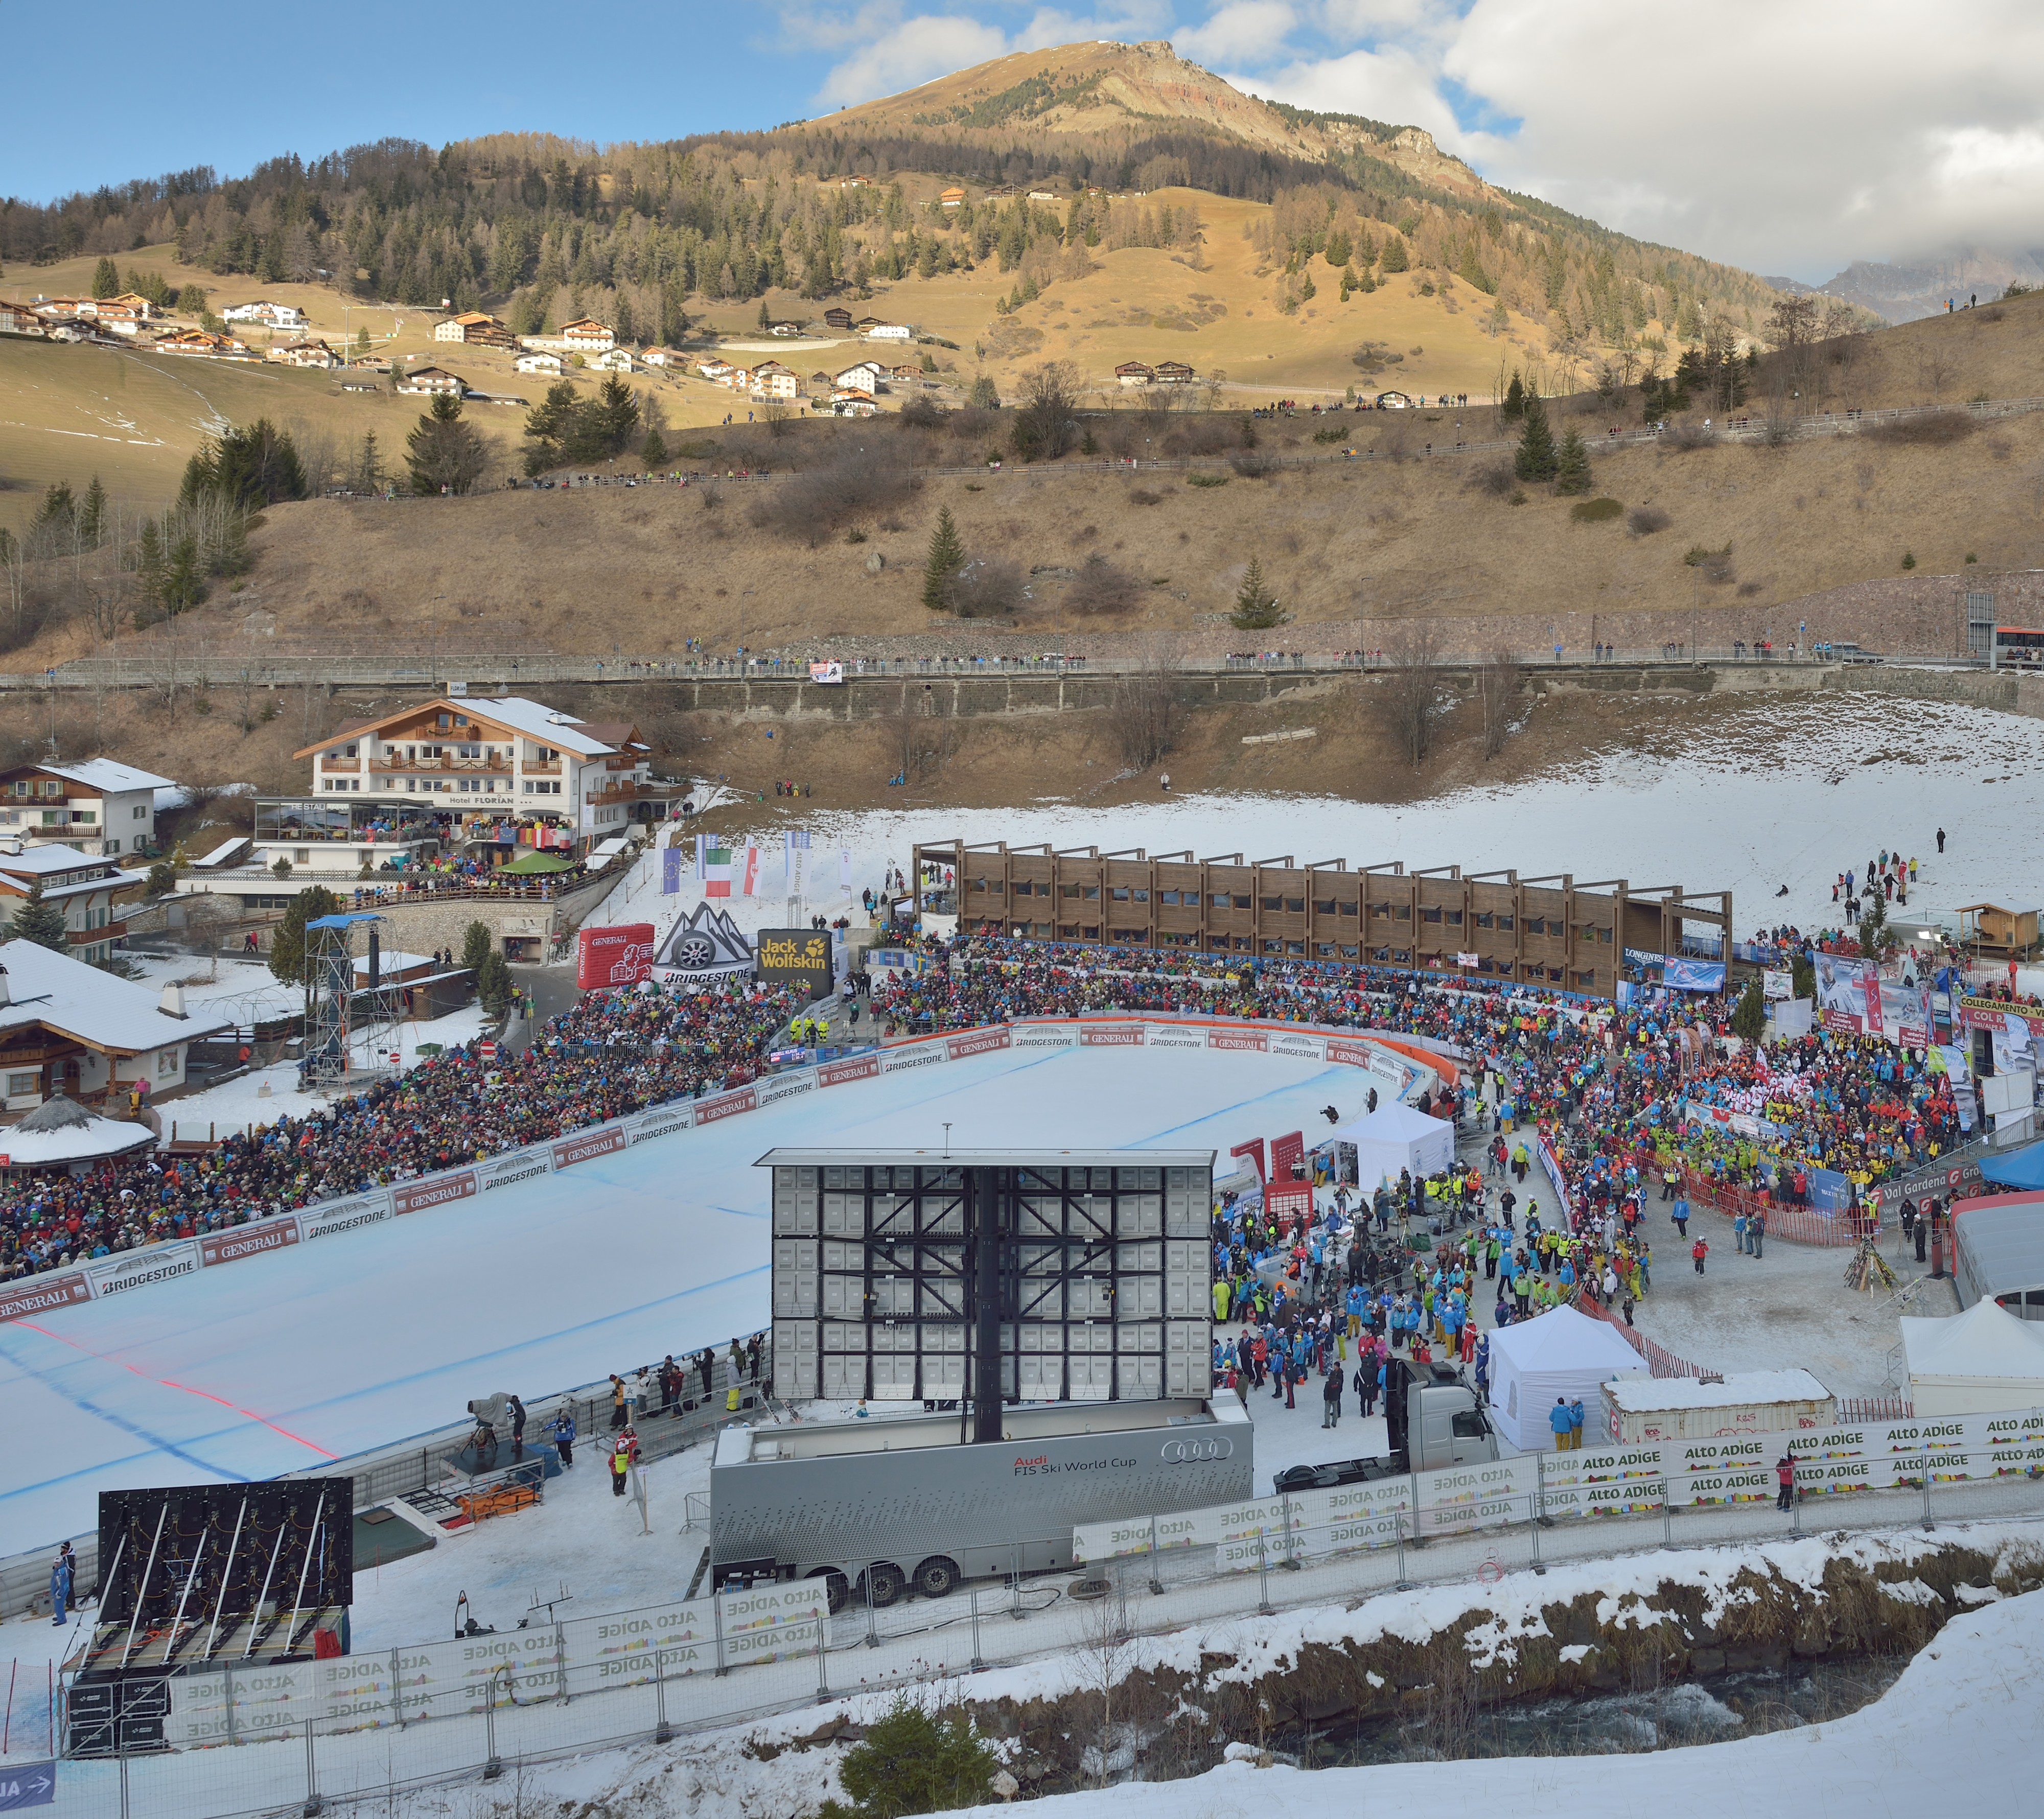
column 662, row 1121
column 777, row 1087
column 1045, row 1036
column 920, row 1055
column 349, row 1216
column 137, row 1269
column 1171, row 1036
column 516, row 1165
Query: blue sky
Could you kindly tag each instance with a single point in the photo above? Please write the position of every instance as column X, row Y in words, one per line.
column 1786, row 139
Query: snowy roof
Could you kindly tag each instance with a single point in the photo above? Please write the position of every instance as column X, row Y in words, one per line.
column 1986, row 1341
column 104, row 773
column 61, row 1131
column 395, row 961
column 540, row 723
column 226, row 850
column 1641, row 1396
column 47, row 861
column 88, row 1005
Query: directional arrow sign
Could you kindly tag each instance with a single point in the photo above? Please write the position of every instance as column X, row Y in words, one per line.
column 27, row 1784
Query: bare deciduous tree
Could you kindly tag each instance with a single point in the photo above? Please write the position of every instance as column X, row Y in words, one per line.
column 1498, row 678
column 1406, row 691
column 1146, row 709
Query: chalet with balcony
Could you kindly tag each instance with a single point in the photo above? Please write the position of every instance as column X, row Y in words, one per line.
column 97, row 807
column 482, row 776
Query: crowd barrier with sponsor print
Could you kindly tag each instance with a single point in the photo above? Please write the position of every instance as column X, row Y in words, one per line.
column 559, row 1660
column 1404, row 1073
column 1414, row 1507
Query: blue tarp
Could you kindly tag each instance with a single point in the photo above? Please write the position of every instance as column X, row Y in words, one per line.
column 2019, row 1169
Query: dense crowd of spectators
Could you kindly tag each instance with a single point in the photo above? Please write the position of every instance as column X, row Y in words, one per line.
column 613, row 1053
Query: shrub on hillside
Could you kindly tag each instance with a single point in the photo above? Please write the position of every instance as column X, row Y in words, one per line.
column 853, row 489
column 1644, row 520
column 1937, row 430
column 1102, row 588
column 1596, row 511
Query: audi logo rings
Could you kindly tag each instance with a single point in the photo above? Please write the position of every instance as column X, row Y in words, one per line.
column 1197, row 1451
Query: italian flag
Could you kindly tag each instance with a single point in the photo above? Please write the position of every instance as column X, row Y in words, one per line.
column 717, row 871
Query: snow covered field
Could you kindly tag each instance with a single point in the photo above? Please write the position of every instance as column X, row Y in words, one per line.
column 1782, row 791
column 318, row 1352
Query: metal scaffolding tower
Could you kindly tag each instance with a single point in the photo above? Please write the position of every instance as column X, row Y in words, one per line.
column 350, row 1029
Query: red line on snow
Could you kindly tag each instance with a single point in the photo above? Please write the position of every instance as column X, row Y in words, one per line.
column 165, row 1382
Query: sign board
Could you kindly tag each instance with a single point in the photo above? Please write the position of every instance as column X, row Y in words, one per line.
column 620, row 956
column 44, row 1294
column 797, row 957
column 826, row 672
column 27, row 1784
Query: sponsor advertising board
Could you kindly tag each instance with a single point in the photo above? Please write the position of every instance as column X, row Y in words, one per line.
column 853, row 1067
column 1111, row 1035
column 515, row 1165
column 238, row 1241
column 976, row 1042
column 1172, row 1036
column 330, row 1217
column 796, row 957
column 777, row 1087
column 661, row 1121
column 925, row 1054
column 45, row 1294
column 134, row 1269
column 1257, row 1042
column 434, row 1191
column 726, row 1104
column 604, row 1140
column 620, row 956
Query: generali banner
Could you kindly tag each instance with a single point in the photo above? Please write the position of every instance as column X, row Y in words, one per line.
column 604, row 1140
column 45, row 1294
column 976, row 1042
column 238, row 1241
column 434, row 1191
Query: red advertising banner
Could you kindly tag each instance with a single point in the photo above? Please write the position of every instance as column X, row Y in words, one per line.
column 44, row 1294
column 1349, row 1054
column 976, row 1042
column 416, row 1196
column 858, row 1067
column 709, row 1110
column 620, row 956
column 607, row 1141
column 1258, row 1040
column 238, row 1241
column 1111, row 1036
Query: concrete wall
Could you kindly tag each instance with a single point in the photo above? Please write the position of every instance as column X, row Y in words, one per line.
column 878, row 697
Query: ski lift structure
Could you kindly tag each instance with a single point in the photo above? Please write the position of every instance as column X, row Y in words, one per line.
column 351, row 1037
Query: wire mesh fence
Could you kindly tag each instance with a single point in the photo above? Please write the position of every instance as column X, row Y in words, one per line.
column 556, row 1695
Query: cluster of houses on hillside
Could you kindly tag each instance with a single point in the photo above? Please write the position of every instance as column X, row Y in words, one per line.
column 1164, row 372
column 853, row 392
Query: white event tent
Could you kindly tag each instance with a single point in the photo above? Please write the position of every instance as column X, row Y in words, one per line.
column 1392, row 1138
column 1558, row 1353
column 1981, row 1362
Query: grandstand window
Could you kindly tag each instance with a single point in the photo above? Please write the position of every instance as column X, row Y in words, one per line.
column 1295, row 904
column 1454, row 918
column 1272, row 903
column 1323, row 906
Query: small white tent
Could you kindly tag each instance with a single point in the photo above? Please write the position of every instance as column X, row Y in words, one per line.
column 1392, row 1138
column 1558, row 1353
column 1980, row 1362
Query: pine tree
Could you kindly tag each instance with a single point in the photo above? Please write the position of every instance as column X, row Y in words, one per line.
column 493, row 984
column 476, row 945
column 1536, row 459
column 946, row 559
column 1256, row 608
column 105, row 280
column 287, row 947
column 654, row 451
column 40, row 921
column 1572, row 466
column 183, row 583
column 441, row 452
column 1394, row 258
column 1749, row 1021
column 1514, row 407
column 92, row 516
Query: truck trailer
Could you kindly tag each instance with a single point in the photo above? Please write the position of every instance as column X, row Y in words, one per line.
column 878, row 1504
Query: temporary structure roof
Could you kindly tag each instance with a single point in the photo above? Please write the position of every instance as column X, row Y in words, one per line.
column 1984, row 1360
column 1999, row 1247
column 1560, row 1353
column 533, row 860
column 1396, row 1137
column 2019, row 1169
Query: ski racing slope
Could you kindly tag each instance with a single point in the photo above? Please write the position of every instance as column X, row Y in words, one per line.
column 362, row 1339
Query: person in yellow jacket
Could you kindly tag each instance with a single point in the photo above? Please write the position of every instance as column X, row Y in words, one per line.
column 620, row 1467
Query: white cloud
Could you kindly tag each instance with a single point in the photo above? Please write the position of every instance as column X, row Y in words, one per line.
column 1789, row 137
column 1242, row 31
